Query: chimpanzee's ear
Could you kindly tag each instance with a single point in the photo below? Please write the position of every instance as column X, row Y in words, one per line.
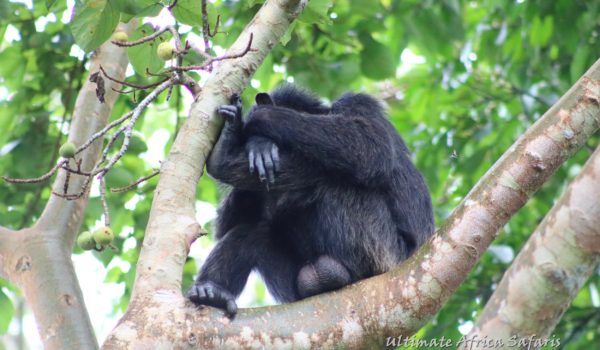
column 262, row 98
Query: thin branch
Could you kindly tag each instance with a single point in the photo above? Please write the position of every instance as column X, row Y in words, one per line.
column 172, row 5
column 104, row 202
column 37, row 179
column 132, row 185
column 216, row 30
column 205, row 28
column 137, row 112
column 142, row 40
column 132, row 85
column 84, row 189
column 104, row 131
column 216, row 59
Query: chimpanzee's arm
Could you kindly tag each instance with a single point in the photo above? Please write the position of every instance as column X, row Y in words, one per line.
column 356, row 143
column 229, row 159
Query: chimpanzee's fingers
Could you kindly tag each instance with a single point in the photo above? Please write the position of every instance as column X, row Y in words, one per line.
column 275, row 156
column 236, row 100
column 260, row 167
column 228, row 112
column 251, row 160
column 269, row 166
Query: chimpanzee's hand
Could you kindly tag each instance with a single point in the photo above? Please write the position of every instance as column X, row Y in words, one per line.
column 209, row 293
column 263, row 157
column 232, row 113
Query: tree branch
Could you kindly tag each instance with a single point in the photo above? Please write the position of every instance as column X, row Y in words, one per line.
column 5, row 249
column 39, row 258
column 551, row 268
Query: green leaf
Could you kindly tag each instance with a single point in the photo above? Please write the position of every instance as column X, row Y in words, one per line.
column 118, row 177
column 541, row 31
column 316, row 12
column 7, row 312
column 12, row 67
column 93, row 23
column 113, row 275
column 251, row 3
column 144, row 56
column 189, row 12
column 376, row 59
column 4, row 10
column 139, row 8
column 288, row 34
column 579, row 63
column 49, row 3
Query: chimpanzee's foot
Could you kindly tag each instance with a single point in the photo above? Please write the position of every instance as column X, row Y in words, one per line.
column 209, row 293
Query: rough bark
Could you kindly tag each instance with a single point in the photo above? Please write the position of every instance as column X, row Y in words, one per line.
column 548, row 272
column 38, row 259
column 359, row 316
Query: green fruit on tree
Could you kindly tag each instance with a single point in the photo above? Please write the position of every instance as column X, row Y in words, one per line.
column 120, row 36
column 165, row 51
column 67, row 150
column 85, row 241
column 104, row 235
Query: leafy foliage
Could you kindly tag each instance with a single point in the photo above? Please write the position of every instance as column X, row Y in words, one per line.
column 463, row 79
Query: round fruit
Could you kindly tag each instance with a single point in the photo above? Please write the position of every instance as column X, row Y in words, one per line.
column 67, row 150
column 85, row 241
column 103, row 235
column 165, row 51
column 120, row 36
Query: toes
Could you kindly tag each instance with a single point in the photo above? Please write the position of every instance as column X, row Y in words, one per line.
column 201, row 292
column 231, row 307
column 192, row 294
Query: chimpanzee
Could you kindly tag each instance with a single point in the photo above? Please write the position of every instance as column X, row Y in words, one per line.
column 322, row 196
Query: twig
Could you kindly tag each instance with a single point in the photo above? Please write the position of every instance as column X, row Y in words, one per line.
column 137, row 112
column 131, row 186
column 131, row 85
column 215, row 59
column 142, row 40
column 216, row 31
column 75, row 171
column 104, row 131
column 205, row 28
column 78, row 195
column 42, row 178
column 67, row 178
column 104, row 202
column 172, row 5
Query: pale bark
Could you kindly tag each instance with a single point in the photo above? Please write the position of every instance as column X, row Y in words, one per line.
column 547, row 274
column 38, row 259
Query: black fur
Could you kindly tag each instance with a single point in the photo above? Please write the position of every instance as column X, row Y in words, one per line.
column 336, row 198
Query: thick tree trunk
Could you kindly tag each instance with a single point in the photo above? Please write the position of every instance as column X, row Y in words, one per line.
column 547, row 274
column 38, row 259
